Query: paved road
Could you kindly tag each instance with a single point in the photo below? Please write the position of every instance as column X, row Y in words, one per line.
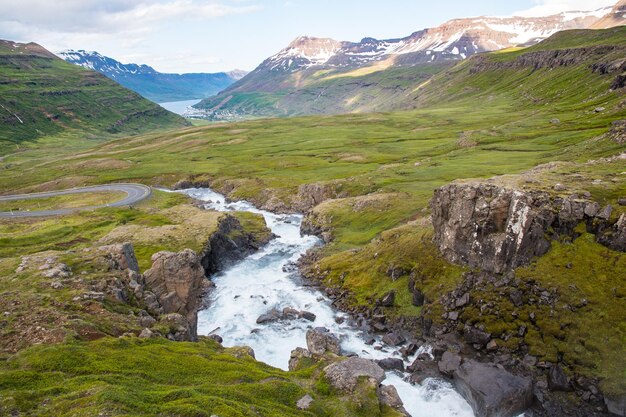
column 134, row 194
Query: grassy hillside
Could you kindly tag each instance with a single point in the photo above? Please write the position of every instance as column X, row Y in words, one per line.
column 311, row 92
column 42, row 95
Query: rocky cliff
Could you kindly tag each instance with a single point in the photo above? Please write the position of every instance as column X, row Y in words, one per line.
column 497, row 229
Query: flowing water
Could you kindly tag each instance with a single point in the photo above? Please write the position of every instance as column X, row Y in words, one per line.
column 267, row 280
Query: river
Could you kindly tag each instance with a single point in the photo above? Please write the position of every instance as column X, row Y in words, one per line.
column 265, row 280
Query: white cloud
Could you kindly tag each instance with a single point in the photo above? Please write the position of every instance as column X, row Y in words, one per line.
column 124, row 22
column 118, row 28
column 549, row 7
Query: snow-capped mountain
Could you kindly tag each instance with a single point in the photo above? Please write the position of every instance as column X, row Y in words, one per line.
column 148, row 82
column 455, row 39
column 322, row 75
column 108, row 66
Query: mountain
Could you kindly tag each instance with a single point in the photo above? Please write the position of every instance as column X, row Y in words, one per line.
column 156, row 86
column 321, row 75
column 616, row 17
column 40, row 94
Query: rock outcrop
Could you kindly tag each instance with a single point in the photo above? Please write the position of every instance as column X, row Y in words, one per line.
column 492, row 391
column 229, row 244
column 176, row 279
column 497, row 229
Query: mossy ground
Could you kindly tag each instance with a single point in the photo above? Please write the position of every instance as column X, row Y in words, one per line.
column 131, row 376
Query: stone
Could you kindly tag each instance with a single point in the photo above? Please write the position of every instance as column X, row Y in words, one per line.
column 388, row 299
column 599, row 109
column 463, row 300
column 146, row 334
column 146, row 321
column 423, row 370
column 391, row 363
column 319, row 341
column 517, row 298
column 216, row 337
column 453, row 315
column 492, row 345
column 344, row 375
column 388, row 395
column 297, row 356
column 59, row 270
column 121, row 256
column 622, row 201
column 176, row 280
column 418, row 298
column 307, row 315
column 605, row 213
column 616, row 404
column 476, row 336
column 270, row 316
column 393, row 339
column 449, row 363
column 592, row 209
column 559, row 187
column 529, row 360
column 492, row 391
column 56, row 285
column 180, row 329
column 305, row 402
column 241, row 352
column 289, row 313
column 558, row 380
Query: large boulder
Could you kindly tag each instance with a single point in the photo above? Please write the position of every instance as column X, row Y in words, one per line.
column 176, row 280
column 449, row 363
column 492, row 391
column 345, row 375
column 496, row 228
column 319, row 341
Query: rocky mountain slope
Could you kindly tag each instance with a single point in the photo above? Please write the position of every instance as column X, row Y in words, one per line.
column 321, row 76
column 40, row 94
column 153, row 85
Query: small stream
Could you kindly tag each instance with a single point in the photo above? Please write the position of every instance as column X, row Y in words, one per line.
column 266, row 280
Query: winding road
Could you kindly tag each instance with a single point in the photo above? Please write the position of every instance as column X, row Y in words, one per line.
column 134, row 194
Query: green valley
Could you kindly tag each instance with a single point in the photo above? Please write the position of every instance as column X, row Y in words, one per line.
column 548, row 120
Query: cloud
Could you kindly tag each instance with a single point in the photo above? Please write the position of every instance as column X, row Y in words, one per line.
column 83, row 17
column 549, row 7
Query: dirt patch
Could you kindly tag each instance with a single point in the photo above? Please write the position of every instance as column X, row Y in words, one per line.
column 103, row 163
column 60, row 184
column 231, row 142
column 351, row 157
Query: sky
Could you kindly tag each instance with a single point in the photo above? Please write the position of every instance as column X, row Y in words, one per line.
column 220, row 35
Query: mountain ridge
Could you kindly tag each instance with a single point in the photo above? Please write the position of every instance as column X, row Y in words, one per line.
column 150, row 83
column 305, row 67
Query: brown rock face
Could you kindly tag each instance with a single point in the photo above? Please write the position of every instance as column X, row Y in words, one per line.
column 176, row 279
column 497, row 229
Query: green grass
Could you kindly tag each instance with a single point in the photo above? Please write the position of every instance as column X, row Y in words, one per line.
column 136, row 377
column 62, row 201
